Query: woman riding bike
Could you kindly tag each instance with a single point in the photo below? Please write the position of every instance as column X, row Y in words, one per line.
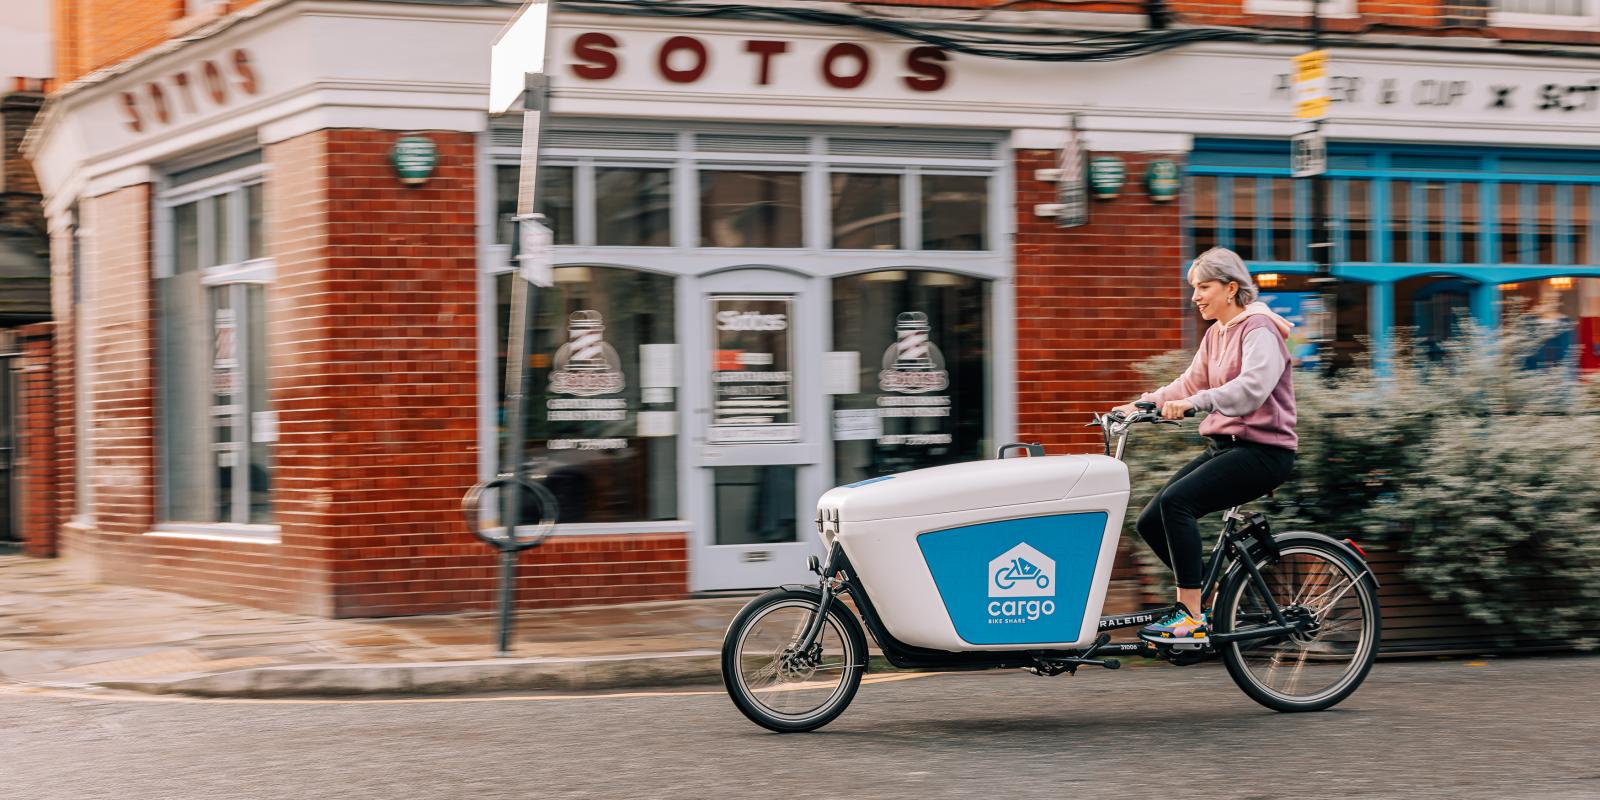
column 1241, row 374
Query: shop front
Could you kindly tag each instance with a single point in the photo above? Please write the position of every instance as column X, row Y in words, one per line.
column 744, row 317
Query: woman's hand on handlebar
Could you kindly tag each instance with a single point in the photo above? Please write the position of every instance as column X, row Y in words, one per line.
column 1126, row 410
column 1176, row 409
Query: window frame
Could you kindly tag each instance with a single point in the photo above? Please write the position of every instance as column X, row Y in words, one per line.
column 1333, row 9
column 1589, row 19
column 234, row 271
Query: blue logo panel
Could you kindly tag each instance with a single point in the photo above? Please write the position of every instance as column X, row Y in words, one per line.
column 1019, row 581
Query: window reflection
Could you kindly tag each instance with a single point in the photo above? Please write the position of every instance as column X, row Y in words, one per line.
column 602, row 421
column 1358, row 221
column 1244, row 218
column 921, row 338
column 1203, row 212
column 1581, row 233
column 1432, row 213
column 1468, row 228
column 750, row 209
column 1544, row 231
column 866, row 211
column 1283, row 220
column 555, row 202
column 633, row 207
column 1510, row 228
column 955, row 212
column 1400, row 222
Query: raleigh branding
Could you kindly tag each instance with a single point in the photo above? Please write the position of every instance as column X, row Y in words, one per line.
column 1021, row 572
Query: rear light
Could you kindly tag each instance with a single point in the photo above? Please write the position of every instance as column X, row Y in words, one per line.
column 1352, row 543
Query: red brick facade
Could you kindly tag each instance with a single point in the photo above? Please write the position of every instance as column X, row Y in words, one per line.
column 35, row 420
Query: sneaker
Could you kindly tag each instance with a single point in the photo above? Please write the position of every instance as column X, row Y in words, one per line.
column 1178, row 627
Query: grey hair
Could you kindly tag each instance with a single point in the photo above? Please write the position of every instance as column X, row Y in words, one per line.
column 1224, row 266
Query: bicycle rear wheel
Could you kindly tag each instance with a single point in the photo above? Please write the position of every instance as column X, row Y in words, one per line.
column 775, row 684
column 1320, row 667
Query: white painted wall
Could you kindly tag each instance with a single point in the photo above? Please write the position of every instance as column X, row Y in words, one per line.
column 25, row 40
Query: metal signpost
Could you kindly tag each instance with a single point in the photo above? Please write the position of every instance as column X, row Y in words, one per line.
column 1310, row 161
column 517, row 81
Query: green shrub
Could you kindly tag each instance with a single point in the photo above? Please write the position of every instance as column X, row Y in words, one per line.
column 1482, row 469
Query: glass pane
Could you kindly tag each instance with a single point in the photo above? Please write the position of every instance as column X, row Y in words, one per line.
column 1433, row 232
column 1283, row 221
column 1469, row 228
column 256, row 246
column 221, row 248
column 1203, row 213
column 186, row 238
column 555, row 202
column 262, row 422
column 633, row 207
column 866, row 211
column 185, row 357
column 226, row 379
column 752, row 375
column 1544, row 232
column 922, row 344
column 602, row 422
column 1358, row 221
column 955, row 212
column 750, row 209
column 1581, row 233
column 1243, row 239
column 1510, row 223
column 1400, row 222
column 755, row 505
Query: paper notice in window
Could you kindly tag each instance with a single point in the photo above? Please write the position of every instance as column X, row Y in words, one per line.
column 841, row 371
column 658, row 366
column 657, row 423
column 264, row 426
column 851, row 424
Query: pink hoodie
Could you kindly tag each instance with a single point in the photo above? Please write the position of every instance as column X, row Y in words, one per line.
column 1241, row 373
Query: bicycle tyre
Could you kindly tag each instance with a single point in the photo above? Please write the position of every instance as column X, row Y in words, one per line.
column 841, row 632
column 1355, row 610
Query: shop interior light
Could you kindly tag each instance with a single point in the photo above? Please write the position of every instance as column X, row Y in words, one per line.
column 1561, row 282
column 1510, row 287
column 1267, row 280
column 572, row 275
column 886, row 276
column 930, row 278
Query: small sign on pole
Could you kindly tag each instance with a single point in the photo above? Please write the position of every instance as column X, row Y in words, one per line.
column 1311, row 85
column 1308, row 154
column 536, row 251
column 1072, row 189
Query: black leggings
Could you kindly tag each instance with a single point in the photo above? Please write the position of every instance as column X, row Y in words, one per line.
column 1227, row 474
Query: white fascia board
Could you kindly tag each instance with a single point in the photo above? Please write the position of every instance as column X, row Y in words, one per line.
column 392, row 119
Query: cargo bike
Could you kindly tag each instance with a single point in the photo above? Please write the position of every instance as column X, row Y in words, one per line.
column 1005, row 563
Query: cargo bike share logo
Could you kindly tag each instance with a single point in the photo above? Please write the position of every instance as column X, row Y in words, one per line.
column 1018, row 579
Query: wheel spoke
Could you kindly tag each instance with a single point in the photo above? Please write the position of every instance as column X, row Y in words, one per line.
column 774, row 677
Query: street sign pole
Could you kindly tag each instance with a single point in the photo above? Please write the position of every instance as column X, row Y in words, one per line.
column 1310, row 161
column 518, row 82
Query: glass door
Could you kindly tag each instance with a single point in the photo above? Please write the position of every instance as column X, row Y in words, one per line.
column 759, row 438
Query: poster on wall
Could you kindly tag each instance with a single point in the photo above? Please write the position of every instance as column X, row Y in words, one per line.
column 752, row 372
column 1304, row 309
column 585, row 374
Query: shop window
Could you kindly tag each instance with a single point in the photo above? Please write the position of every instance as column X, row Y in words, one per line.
column 217, row 424
column 1581, row 242
column 1203, row 212
column 555, row 202
column 1510, row 227
column 602, row 426
column 1583, row 14
column 1283, row 222
column 866, row 211
column 1544, row 224
column 1433, row 222
column 1400, row 222
column 1469, row 230
column 1554, row 311
column 919, row 342
column 750, row 209
column 633, row 207
column 1243, row 241
column 1432, row 307
column 1358, row 221
column 955, row 212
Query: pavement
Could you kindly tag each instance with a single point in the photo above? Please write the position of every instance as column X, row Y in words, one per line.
column 58, row 630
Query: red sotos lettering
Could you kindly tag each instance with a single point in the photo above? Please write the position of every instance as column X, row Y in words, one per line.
column 686, row 59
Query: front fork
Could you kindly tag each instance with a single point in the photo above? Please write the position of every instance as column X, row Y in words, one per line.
column 814, row 630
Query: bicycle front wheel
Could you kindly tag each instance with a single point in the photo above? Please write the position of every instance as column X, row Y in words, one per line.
column 1321, row 666
column 776, row 684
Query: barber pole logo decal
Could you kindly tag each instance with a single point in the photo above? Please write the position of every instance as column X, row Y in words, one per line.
column 586, row 365
column 913, row 364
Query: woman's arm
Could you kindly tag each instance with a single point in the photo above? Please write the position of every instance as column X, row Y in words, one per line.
column 1191, row 381
column 1261, row 366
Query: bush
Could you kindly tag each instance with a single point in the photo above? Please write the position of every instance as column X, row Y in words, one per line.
column 1477, row 464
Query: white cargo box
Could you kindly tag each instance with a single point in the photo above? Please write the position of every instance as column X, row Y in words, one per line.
column 990, row 555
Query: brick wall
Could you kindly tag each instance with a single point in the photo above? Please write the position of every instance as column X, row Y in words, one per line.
column 36, row 448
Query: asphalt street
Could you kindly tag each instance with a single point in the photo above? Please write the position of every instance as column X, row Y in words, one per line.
column 1458, row 729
